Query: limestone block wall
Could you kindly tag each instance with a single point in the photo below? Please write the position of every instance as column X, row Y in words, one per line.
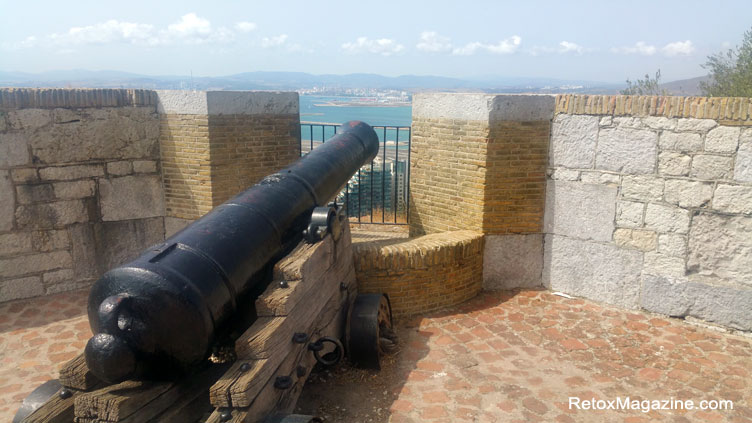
column 478, row 163
column 649, row 204
column 215, row 144
column 421, row 274
column 80, row 185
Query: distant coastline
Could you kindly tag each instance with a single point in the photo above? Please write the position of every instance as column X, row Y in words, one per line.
column 360, row 104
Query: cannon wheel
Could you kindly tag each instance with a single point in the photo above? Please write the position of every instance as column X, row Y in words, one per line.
column 370, row 334
column 36, row 399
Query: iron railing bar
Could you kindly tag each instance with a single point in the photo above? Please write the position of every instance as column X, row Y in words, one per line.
column 396, row 171
column 383, row 180
column 407, row 176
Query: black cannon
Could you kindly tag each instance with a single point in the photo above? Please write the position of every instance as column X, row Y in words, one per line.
column 160, row 314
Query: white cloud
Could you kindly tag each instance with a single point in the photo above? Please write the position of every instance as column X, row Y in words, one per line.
column 677, row 48
column 507, row 46
column 639, row 48
column 111, row 31
column 567, row 47
column 268, row 42
column 245, row 26
column 190, row 25
column 382, row 46
column 432, row 42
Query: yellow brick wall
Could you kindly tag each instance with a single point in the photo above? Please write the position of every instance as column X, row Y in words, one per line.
column 478, row 176
column 727, row 110
column 245, row 148
column 186, row 165
column 447, row 175
column 422, row 274
column 208, row 159
column 515, row 182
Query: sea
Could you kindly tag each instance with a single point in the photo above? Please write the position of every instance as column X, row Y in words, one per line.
column 391, row 122
column 313, row 109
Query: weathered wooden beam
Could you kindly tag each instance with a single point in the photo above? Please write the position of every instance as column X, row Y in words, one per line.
column 76, row 374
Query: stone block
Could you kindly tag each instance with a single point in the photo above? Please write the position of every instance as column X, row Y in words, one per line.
column 131, row 197
column 672, row 245
column 15, row 289
column 57, row 277
column 50, row 215
column 37, row 193
column 733, row 199
column 685, row 193
column 573, row 140
column 721, row 247
column 34, row 263
column 657, row 263
column 634, row 238
column 709, row 166
column 126, row 240
column 29, row 119
column 73, row 190
column 629, row 214
column 660, row 123
column 626, row 150
column 666, row 219
column 24, row 176
column 580, row 210
column 14, row 150
column 723, row 139
column 68, row 173
column 743, row 167
column 642, row 188
column 7, row 205
column 696, row 125
column 174, row 225
column 61, row 115
column 673, row 163
column 564, row 174
column 629, row 122
column 121, row 168
column 144, row 166
column 686, row 142
column 14, row 243
column 107, row 133
column 512, row 261
column 606, row 121
column 592, row 270
column 44, row 241
column 600, row 178
column 724, row 305
column 84, row 251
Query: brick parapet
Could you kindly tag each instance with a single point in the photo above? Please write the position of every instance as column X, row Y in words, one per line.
column 727, row 110
column 50, row 98
column 422, row 274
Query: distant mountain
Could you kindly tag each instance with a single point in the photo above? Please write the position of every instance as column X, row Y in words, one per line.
column 685, row 87
column 299, row 81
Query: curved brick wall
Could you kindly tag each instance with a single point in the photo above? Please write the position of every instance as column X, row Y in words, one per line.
column 422, row 274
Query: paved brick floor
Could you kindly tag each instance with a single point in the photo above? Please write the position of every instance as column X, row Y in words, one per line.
column 512, row 357
column 36, row 337
column 518, row 357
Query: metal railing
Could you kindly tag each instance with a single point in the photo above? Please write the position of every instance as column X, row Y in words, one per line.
column 380, row 192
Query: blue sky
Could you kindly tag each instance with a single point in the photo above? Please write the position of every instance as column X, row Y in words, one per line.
column 594, row 40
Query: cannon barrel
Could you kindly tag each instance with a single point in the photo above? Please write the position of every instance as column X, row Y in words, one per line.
column 161, row 313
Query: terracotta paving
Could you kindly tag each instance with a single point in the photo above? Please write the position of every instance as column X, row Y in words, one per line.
column 519, row 357
column 36, row 337
column 511, row 357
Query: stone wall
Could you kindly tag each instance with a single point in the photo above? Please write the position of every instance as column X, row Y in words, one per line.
column 421, row 274
column 82, row 173
column 215, row 144
column 478, row 163
column 649, row 204
column 80, row 189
